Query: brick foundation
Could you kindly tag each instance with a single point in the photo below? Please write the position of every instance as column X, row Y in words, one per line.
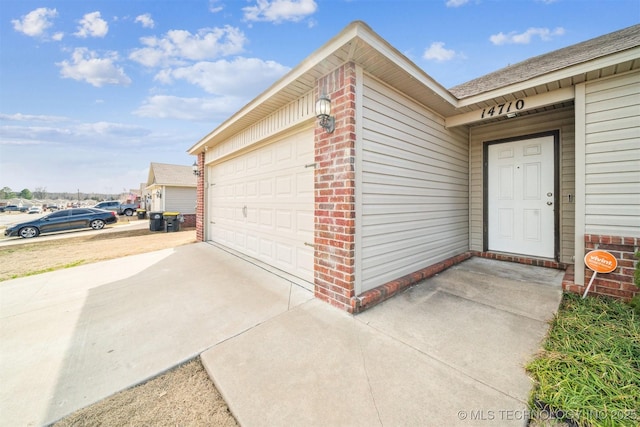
column 618, row 283
column 519, row 259
column 334, row 192
column 381, row 293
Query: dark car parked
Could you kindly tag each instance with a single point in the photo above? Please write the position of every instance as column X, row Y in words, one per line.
column 13, row 208
column 67, row 219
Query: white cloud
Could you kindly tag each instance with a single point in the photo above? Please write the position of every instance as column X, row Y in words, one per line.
column 19, row 117
column 110, row 129
column 215, row 6
column 279, row 10
column 179, row 45
column 145, row 20
column 525, row 38
column 192, row 109
column 36, row 22
column 245, row 77
column 92, row 25
column 437, row 52
column 85, row 65
column 456, row 3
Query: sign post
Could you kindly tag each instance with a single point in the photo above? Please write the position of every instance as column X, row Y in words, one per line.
column 599, row 262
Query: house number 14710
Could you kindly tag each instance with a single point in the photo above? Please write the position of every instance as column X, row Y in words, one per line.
column 496, row 110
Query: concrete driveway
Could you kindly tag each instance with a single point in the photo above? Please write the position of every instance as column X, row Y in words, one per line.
column 73, row 337
column 449, row 351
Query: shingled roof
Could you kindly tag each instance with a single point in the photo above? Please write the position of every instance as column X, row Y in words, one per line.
column 537, row 66
column 171, row 175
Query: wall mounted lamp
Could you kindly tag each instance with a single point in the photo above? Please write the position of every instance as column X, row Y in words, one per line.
column 323, row 113
column 195, row 170
column 159, row 194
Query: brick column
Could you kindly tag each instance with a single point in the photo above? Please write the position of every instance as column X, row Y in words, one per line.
column 334, row 188
column 618, row 283
column 200, row 198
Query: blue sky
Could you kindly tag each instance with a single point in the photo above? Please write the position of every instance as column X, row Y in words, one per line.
column 91, row 92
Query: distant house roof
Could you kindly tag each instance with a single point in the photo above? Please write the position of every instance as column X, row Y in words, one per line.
column 562, row 58
column 171, row 175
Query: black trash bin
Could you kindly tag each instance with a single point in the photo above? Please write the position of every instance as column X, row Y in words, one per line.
column 172, row 221
column 156, row 221
column 142, row 214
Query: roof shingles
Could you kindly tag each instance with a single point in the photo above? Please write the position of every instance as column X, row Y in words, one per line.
column 562, row 58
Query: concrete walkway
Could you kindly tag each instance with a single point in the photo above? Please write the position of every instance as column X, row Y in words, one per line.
column 448, row 351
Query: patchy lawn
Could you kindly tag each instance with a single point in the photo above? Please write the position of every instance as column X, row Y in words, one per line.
column 589, row 369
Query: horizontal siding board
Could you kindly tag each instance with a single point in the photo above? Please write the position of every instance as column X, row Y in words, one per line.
column 607, row 126
column 613, row 136
column 380, row 152
column 618, row 111
column 383, row 126
column 415, row 198
column 384, row 269
column 414, row 118
column 612, row 88
column 623, row 178
column 620, row 187
column 608, row 200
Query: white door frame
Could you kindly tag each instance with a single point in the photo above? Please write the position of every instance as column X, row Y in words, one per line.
column 556, row 185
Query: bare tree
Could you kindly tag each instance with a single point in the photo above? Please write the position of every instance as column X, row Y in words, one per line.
column 40, row 193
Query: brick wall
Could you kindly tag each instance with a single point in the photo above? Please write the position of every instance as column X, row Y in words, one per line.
column 189, row 221
column 199, row 217
column 334, row 188
column 618, row 283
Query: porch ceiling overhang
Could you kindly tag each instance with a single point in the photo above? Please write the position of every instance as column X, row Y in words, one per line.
column 357, row 43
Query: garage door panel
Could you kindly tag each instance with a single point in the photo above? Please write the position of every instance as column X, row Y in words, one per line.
column 267, row 197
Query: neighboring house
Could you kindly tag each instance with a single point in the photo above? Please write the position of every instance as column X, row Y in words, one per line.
column 536, row 163
column 170, row 188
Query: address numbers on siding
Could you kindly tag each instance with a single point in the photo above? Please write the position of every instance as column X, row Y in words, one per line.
column 507, row 107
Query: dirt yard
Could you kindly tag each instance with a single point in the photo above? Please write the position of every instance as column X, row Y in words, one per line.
column 182, row 396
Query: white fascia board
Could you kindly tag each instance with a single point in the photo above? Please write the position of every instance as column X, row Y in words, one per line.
column 501, row 110
column 595, row 64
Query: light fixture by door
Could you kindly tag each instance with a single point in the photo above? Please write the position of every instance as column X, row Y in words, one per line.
column 323, row 113
column 195, row 170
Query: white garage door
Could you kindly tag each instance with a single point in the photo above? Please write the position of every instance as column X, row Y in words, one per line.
column 261, row 204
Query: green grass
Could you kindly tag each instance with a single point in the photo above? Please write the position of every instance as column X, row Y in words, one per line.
column 47, row 270
column 590, row 364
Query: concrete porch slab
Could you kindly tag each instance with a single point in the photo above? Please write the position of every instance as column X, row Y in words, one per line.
column 442, row 353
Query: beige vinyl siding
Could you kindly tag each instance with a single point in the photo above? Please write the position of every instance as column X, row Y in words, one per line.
column 414, row 187
column 180, row 199
column 612, row 156
column 561, row 119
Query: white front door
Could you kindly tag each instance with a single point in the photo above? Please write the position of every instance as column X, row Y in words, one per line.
column 521, row 199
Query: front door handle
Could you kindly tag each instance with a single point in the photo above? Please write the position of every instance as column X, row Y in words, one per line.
column 549, row 203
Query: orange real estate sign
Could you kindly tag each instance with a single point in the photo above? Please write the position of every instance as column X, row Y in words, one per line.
column 600, row 261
